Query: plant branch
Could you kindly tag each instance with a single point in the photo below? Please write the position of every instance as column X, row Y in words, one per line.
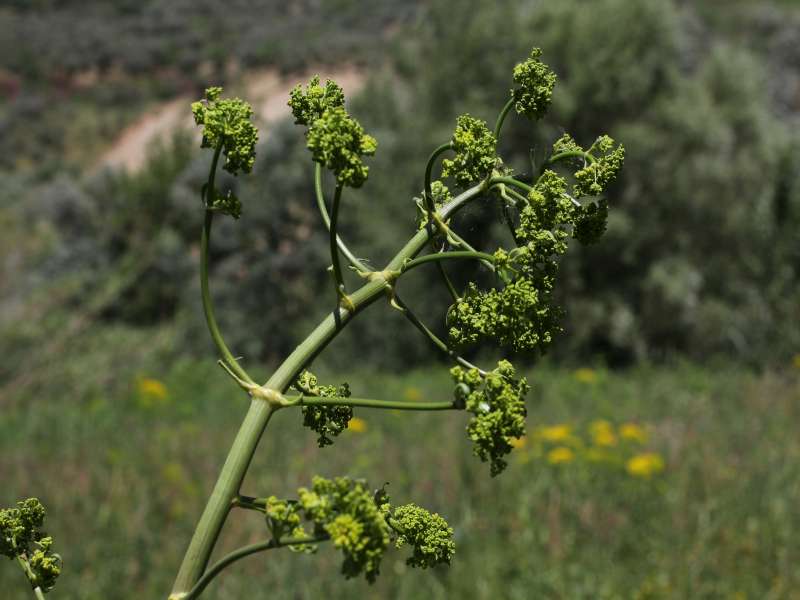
column 337, row 267
column 323, row 210
column 502, row 117
column 434, row 339
column 450, row 255
column 430, row 205
column 258, row 416
column 510, row 181
column 243, row 552
column 372, row 403
column 208, row 307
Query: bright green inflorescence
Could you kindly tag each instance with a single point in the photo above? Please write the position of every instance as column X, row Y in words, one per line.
column 309, row 106
column 535, row 81
column 327, row 421
column 226, row 125
column 21, row 538
column 338, row 142
column 428, row 533
column 497, row 402
column 476, row 151
column 595, row 176
column 361, row 523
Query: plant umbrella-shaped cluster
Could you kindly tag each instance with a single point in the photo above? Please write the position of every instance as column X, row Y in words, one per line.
column 517, row 313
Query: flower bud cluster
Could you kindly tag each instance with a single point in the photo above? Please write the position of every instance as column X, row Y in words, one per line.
column 497, row 403
column 476, row 151
column 327, row 421
column 361, row 523
column 226, row 124
column 336, row 140
column 535, row 80
column 21, row 538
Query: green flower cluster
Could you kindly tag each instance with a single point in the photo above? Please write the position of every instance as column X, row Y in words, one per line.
column 497, row 402
column 428, row 533
column 517, row 317
column 21, row 538
column 327, row 421
column 226, row 125
column 228, row 204
column 335, row 139
column 361, row 523
column 310, row 105
column 476, row 151
column 595, row 176
column 338, row 142
column 535, row 80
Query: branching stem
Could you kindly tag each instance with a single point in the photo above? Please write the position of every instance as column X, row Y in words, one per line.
column 323, row 210
column 243, row 552
column 502, row 117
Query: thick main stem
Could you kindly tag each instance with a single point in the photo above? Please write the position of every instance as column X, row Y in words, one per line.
column 226, row 490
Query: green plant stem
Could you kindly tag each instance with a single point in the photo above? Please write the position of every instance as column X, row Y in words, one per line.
column 257, row 417
column 37, row 591
column 337, row 267
column 512, row 182
column 323, row 210
column 430, row 205
column 432, row 337
column 502, row 117
column 450, row 255
column 570, row 154
column 243, row 552
column 517, row 196
column 371, row 403
column 208, row 307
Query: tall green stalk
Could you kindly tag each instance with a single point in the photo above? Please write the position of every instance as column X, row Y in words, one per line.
column 255, row 421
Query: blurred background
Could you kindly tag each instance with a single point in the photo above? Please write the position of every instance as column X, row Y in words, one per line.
column 663, row 459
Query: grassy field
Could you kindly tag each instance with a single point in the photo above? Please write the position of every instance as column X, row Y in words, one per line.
column 651, row 483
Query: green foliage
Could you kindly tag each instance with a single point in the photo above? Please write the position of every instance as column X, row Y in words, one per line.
column 226, row 125
column 497, row 402
column 337, row 141
column 327, row 421
column 21, row 538
column 476, row 151
column 535, row 80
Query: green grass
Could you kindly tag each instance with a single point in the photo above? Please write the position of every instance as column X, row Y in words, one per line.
column 125, row 471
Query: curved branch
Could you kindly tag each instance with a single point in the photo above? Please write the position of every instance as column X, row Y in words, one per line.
column 323, row 210
column 502, row 117
column 243, row 552
column 208, row 307
column 450, row 255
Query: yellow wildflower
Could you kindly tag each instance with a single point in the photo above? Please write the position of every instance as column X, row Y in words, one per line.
column 559, row 455
column 586, row 375
column 357, row 425
column 796, row 361
column 412, row 394
column 153, row 388
column 633, row 432
column 602, row 433
column 645, row 465
column 554, row 433
column 519, row 442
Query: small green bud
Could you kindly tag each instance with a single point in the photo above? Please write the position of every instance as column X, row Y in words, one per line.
column 226, row 124
column 476, row 151
column 535, row 80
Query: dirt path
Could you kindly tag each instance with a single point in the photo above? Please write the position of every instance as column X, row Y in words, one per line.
column 266, row 90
